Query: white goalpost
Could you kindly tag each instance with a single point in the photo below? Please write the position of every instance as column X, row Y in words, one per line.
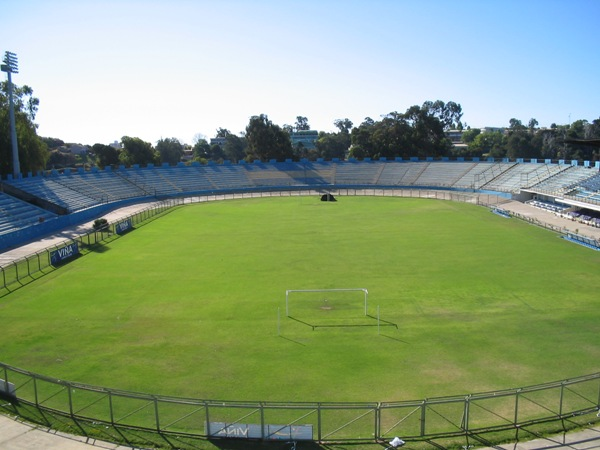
column 325, row 292
column 330, row 308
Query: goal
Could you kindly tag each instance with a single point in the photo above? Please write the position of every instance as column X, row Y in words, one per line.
column 326, row 306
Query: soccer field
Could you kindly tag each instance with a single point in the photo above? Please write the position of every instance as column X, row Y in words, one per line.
column 193, row 304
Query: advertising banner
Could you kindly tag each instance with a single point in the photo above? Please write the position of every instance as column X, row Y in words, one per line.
column 254, row 431
column 64, row 253
column 123, row 227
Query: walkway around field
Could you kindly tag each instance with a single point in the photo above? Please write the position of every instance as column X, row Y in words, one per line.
column 17, row 435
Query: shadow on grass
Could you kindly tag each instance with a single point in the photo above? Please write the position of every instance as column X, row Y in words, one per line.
column 378, row 323
column 98, row 247
column 291, row 340
column 394, row 338
column 24, row 281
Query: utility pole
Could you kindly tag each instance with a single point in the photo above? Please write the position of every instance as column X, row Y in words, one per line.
column 11, row 66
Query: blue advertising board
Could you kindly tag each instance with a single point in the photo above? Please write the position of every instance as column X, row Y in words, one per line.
column 255, row 431
column 64, row 253
column 123, row 227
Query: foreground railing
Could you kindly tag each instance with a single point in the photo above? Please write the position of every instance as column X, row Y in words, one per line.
column 444, row 417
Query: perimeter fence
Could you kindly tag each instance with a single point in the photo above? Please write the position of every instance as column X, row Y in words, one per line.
column 458, row 417
column 461, row 419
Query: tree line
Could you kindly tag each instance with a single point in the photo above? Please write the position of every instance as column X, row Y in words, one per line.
column 573, row 141
column 420, row 131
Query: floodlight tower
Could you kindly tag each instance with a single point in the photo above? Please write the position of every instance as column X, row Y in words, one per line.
column 11, row 66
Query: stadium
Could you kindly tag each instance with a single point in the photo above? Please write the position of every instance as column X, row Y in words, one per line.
column 354, row 310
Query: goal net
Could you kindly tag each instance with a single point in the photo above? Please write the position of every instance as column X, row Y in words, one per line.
column 327, row 307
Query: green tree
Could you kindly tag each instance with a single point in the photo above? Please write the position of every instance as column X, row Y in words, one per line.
column 33, row 152
column 449, row 114
column 417, row 132
column 392, row 137
column 427, row 135
column 137, row 151
column 53, row 143
column 332, row 145
column 469, row 135
column 362, row 139
column 520, row 142
column 222, row 132
column 170, row 150
column 60, row 159
column 201, row 150
column 216, row 153
column 386, row 138
column 266, row 140
column 488, row 144
column 576, row 135
column 301, row 124
column 234, row 148
column 516, row 125
column 533, row 123
column 547, row 140
column 335, row 145
column 105, row 155
column 521, row 145
column 344, row 125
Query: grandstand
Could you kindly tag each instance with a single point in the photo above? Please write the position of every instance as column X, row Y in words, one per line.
column 17, row 214
column 34, row 205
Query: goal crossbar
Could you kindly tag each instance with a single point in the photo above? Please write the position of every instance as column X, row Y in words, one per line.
column 289, row 291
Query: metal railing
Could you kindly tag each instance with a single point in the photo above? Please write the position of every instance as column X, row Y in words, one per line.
column 444, row 417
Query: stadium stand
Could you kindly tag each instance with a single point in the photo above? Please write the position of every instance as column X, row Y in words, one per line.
column 190, row 178
column 564, row 179
column 320, row 173
column 589, row 189
column 149, row 181
column 54, row 192
column 78, row 195
column 228, row 177
column 402, row 173
column 445, row 174
column 473, row 176
column 592, row 183
column 358, row 173
column 16, row 214
column 100, row 186
column 267, row 175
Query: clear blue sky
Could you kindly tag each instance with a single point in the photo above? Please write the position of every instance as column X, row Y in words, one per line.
column 179, row 68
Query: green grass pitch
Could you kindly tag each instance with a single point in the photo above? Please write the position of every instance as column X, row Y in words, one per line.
column 187, row 305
